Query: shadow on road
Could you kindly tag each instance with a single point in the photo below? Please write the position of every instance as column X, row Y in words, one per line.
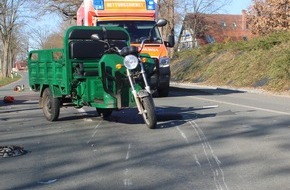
column 171, row 116
column 184, row 91
column 21, row 98
column 167, row 117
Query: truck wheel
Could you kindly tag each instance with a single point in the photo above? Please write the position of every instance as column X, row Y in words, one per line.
column 104, row 113
column 51, row 105
column 163, row 92
column 148, row 112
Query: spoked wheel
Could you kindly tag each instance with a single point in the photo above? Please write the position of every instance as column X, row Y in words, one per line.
column 104, row 113
column 50, row 105
column 148, row 112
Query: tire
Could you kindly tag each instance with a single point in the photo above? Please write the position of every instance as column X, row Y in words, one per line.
column 50, row 105
column 148, row 112
column 104, row 113
column 163, row 92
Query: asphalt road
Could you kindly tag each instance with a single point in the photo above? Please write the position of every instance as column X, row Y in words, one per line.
column 206, row 138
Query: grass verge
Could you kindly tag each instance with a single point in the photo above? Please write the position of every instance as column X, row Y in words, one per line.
column 6, row 81
column 262, row 63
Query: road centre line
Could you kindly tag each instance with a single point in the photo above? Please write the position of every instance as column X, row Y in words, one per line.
column 128, row 152
column 245, row 106
column 127, row 181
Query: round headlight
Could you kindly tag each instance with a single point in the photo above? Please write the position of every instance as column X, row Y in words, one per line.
column 130, row 61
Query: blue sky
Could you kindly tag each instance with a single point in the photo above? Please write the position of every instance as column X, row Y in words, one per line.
column 52, row 22
column 237, row 6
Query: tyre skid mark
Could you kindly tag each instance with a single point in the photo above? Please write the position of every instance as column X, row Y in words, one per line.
column 199, row 165
column 195, row 156
column 213, row 161
column 95, row 131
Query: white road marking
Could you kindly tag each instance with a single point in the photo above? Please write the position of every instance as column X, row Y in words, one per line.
column 213, row 106
column 81, row 110
column 240, row 105
column 128, row 152
column 47, row 182
column 84, row 113
column 31, row 101
column 127, row 181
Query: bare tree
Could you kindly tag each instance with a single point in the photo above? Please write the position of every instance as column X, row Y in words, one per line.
column 43, row 38
column 14, row 45
column 54, row 40
column 12, row 15
column 39, row 36
column 166, row 10
column 20, row 46
column 9, row 15
column 67, row 9
column 267, row 16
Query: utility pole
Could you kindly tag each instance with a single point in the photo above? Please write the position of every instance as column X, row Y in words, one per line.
column 171, row 24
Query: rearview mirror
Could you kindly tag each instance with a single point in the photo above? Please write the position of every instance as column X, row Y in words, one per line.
column 161, row 22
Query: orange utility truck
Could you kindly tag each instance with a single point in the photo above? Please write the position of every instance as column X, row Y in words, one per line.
column 139, row 18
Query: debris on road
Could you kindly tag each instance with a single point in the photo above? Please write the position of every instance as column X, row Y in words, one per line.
column 11, row 151
column 8, row 99
column 19, row 88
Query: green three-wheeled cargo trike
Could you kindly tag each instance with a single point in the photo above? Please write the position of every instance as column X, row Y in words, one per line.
column 98, row 68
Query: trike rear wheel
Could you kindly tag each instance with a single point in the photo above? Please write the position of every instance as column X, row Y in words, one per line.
column 50, row 106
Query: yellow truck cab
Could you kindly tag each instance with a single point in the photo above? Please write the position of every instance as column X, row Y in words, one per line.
column 138, row 17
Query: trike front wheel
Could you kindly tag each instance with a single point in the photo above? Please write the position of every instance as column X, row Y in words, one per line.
column 148, row 112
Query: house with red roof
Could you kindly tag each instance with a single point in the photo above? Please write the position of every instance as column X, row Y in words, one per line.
column 212, row 28
column 20, row 65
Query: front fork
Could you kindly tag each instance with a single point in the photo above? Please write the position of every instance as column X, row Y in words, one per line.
column 141, row 93
column 147, row 87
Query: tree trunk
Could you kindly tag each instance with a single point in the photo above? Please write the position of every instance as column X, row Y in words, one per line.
column 5, row 60
column 1, row 65
column 11, row 58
